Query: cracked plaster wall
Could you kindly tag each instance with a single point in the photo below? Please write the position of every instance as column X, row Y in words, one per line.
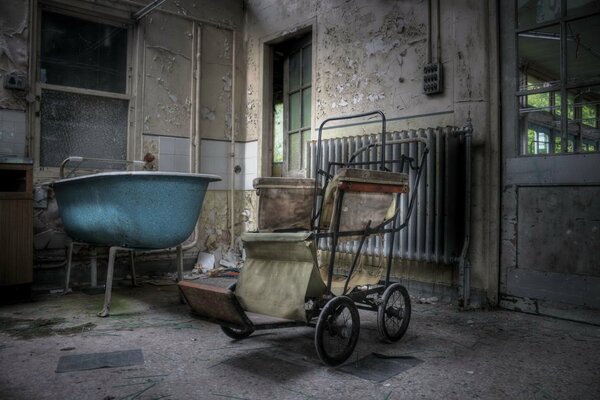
column 369, row 55
column 14, row 56
column 162, row 102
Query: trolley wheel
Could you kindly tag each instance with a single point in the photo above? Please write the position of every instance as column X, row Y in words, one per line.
column 393, row 314
column 237, row 334
column 337, row 330
column 234, row 333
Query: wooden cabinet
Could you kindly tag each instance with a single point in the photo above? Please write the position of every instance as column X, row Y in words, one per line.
column 16, row 223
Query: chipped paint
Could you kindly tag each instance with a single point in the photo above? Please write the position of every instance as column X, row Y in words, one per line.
column 14, row 59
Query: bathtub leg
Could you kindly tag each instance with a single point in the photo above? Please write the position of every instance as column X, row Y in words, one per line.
column 180, row 270
column 94, row 268
column 68, row 272
column 132, row 264
column 109, row 278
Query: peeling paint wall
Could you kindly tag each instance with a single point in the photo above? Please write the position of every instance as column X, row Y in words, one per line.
column 14, row 55
column 168, row 53
column 180, row 63
column 369, row 55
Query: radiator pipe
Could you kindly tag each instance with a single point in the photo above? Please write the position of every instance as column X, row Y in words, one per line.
column 464, row 265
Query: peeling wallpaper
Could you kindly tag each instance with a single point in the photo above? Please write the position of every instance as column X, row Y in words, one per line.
column 14, row 57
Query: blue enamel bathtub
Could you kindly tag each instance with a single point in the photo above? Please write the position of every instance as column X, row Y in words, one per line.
column 130, row 210
column 139, row 210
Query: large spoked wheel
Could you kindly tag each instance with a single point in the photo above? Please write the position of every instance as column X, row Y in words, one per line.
column 393, row 314
column 237, row 334
column 337, row 330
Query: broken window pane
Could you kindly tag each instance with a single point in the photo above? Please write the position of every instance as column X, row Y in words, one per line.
column 583, row 119
column 84, row 54
column 81, row 125
column 533, row 12
column 583, row 48
column 539, row 57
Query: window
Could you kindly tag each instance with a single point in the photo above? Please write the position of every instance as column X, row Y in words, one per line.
column 559, row 75
column 83, row 79
column 292, row 86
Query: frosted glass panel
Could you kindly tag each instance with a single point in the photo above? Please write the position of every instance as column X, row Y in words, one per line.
column 81, row 125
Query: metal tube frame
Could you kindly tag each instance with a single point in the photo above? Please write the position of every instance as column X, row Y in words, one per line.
column 334, row 232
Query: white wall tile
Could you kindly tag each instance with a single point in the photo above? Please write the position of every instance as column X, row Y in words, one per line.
column 166, row 145
column 166, row 163
column 181, row 163
column 182, row 147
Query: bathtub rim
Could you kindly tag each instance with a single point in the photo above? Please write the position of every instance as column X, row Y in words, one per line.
column 207, row 177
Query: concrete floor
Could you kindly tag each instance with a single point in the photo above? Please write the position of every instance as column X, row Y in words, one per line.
column 457, row 355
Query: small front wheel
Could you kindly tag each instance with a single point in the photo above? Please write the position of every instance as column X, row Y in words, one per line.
column 337, row 330
column 393, row 314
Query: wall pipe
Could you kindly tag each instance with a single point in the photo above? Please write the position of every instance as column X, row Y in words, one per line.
column 464, row 265
column 232, row 183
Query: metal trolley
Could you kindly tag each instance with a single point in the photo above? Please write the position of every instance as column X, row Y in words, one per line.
column 283, row 284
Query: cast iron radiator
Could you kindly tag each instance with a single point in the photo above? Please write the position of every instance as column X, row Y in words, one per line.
column 435, row 230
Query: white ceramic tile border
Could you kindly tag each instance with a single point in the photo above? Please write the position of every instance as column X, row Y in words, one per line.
column 214, row 159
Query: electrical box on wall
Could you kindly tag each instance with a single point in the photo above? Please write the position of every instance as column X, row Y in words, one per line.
column 15, row 82
column 432, row 79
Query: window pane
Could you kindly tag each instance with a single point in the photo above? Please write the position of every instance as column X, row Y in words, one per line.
column 278, row 133
column 305, row 145
column 539, row 122
column 532, row 12
column 294, row 156
column 295, row 111
column 306, row 108
column 295, row 71
column 539, row 57
column 583, row 118
column 306, row 65
column 80, row 53
column 582, row 7
column 583, row 48
column 81, row 125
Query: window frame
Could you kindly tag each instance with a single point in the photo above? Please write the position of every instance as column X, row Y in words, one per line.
column 561, row 87
column 116, row 20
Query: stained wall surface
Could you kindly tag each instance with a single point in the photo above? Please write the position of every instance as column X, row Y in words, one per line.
column 369, row 55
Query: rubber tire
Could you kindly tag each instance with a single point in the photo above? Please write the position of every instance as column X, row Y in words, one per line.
column 383, row 315
column 323, row 333
column 236, row 334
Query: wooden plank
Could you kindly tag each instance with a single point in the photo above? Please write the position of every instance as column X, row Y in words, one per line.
column 215, row 304
column 16, row 242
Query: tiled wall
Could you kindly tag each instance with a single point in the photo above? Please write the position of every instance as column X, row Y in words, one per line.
column 174, row 154
column 13, row 133
column 215, row 159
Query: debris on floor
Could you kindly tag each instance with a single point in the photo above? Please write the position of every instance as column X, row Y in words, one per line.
column 428, row 300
